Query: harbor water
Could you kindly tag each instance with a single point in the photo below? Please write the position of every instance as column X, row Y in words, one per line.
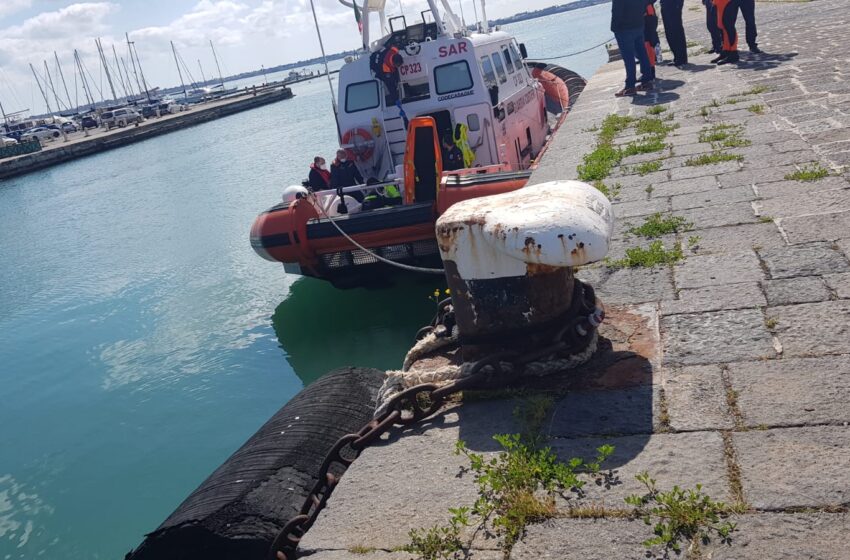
column 142, row 340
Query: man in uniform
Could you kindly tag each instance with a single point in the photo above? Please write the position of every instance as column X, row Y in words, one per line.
column 671, row 15
column 727, row 15
column 711, row 25
column 748, row 10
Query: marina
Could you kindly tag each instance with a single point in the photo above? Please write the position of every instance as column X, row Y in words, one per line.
column 153, row 342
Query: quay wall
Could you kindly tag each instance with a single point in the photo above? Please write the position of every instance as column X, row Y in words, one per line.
column 148, row 129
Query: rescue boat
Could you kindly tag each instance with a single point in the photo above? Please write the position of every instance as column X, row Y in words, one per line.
column 500, row 109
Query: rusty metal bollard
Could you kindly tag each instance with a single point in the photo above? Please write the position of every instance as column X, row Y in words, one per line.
column 509, row 261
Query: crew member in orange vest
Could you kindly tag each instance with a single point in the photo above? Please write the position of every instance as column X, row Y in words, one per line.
column 727, row 15
column 389, row 69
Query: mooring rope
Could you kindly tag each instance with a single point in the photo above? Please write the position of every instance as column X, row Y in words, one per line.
column 402, row 266
column 577, row 52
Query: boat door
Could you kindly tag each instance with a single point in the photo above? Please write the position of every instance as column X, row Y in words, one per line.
column 423, row 161
column 478, row 119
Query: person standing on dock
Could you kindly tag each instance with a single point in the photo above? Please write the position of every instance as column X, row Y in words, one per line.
column 627, row 23
column 727, row 15
column 674, row 29
column 343, row 172
column 713, row 29
column 319, row 178
column 748, row 11
column 650, row 36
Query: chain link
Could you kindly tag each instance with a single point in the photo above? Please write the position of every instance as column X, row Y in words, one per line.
column 417, row 403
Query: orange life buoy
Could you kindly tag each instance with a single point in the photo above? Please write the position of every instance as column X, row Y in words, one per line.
column 359, row 144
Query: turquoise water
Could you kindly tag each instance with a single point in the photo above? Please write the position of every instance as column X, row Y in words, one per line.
column 142, row 341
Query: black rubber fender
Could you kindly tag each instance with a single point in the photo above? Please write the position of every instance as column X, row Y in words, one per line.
column 575, row 83
column 241, row 507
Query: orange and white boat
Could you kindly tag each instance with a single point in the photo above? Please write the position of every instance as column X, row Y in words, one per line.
column 501, row 110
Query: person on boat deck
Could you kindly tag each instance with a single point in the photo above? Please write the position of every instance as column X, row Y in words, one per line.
column 627, row 23
column 343, row 172
column 320, row 177
column 452, row 155
column 387, row 65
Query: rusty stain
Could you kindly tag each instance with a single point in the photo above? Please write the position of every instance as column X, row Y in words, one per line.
column 534, row 269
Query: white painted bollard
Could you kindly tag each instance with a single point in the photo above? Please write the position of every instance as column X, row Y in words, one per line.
column 509, row 261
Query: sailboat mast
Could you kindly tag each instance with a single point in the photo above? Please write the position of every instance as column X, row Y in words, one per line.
column 106, row 69
column 133, row 62
column 220, row 78
column 89, row 98
column 120, row 76
column 327, row 71
column 41, row 89
column 129, row 81
column 52, row 88
column 62, row 75
column 201, row 68
column 179, row 72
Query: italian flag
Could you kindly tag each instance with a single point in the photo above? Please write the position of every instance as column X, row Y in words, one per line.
column 357, row 16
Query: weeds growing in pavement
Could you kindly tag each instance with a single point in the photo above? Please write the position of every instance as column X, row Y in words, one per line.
column 681, row 516
column 610, row 192
column 765, row 219
column 654, row 125
column 693, row 241
column 757, row 109
column 656, row 110
column 654, row 143
column 647, row 167
column 439, row 542
column 771, row 322
column 657, row 225
column 599, row 163
column 724, row 136
column 808, row 173
column 361, row 550
column 713, row 157
column 756, row 90
column 654, row 255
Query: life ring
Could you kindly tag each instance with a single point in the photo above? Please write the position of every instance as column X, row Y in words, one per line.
column 359, row 144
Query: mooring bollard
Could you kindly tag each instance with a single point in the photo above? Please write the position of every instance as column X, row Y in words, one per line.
column 509, row 262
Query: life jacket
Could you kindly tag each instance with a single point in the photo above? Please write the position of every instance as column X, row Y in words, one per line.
column 388, row 66
column 461, row 137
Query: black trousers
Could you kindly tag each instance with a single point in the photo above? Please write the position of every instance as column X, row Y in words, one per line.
column 671, row 15
column 711, row 25
column 748, row 11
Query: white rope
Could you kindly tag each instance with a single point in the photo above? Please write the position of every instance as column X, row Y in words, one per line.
column 398, row 380
column 365, row 250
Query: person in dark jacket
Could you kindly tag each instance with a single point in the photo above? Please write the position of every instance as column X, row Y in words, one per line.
column 627, row 23
column 671, row 15
column 319, row 178
column 343, row 172
column 713, row 29
column 727, row 15
column 452, row 156
column 748, row 10
column 650, row 35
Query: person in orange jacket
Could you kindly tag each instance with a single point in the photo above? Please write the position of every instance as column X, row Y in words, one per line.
column 650, row 35
column 727, row 15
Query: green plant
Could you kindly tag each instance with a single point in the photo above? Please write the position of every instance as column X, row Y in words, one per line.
column 509, row 485
column 599, row 163
column 731, row 101
column 704, row 111
column 653, row 143
column 680, row 515
column 657, row 225
column 811, row 172
column 531, row 414
column 713, row 157
column 724, row 136
column 771, row 322
column 649, row 189
column 756, row 90
column 611, row 192
column 648, row 167
column 765, row 219
column 361, row 549
column 693, row 241
column 439, row 542
column 654, row 255
column 656, row 110
column 757, row 109
column 654, row 125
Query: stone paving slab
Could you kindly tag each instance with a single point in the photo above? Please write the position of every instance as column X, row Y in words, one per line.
column 715, row 337
column 366, row 554
column 826, row 227
column 716, row 298
column 795, row 467
column 696, row 399
column 839, row 284
column 737, row 238
column 585, row 539
column 813, row 329
column 717, row 270
column 804, row 260
column 789, row 188
column 802, row 289
column 794, row 391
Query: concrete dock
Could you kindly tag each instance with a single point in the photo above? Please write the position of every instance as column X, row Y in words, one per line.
column 729, row 368
column 97, row 140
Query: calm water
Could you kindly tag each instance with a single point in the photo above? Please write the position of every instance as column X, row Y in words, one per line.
column 142, row 341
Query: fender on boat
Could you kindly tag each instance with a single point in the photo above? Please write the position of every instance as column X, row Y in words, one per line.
column 562, row 86
column 239, row 510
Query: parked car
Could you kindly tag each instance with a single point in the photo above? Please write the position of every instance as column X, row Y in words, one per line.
column 6, row 141
column 89, row 122
column 148, row 111
column 120, row 118
column 40, row 133
column 69, row 127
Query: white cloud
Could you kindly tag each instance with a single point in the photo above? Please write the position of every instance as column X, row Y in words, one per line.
column 9, row 7
column 207, row 20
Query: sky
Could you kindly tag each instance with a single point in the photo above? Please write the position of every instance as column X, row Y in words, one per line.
column 246, row 33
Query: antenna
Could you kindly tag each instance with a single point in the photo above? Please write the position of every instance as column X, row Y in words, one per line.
column 327, row 71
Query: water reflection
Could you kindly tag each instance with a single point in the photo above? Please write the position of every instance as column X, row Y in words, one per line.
column 322, row 328
column 19, row 512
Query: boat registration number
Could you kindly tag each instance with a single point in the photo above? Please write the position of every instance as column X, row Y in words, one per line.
column 410, row 69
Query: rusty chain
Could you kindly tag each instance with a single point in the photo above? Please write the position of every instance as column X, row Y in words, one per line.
column 417, row 403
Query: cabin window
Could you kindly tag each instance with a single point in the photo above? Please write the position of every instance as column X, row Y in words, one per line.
column 473, row 122
column 453, row 77
column 487, row 70
column 508, row 61
column 500, row 68
column 516, row 56
column 361, row 96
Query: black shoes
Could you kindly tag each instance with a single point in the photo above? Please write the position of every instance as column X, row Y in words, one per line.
column 730, row 58
column 719, row 58
column 755, row 50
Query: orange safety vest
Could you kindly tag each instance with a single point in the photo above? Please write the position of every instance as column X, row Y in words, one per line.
column 389, row 66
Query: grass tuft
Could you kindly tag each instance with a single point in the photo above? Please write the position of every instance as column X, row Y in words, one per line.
column 610, row 192
column 654, row 255
column 648, row 167
column 756, row 109
column 713, row 157
column 657, row 225
column 656, row 110
column 809, row 173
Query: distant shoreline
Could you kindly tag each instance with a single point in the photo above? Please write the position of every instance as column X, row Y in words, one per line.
column 523, row 16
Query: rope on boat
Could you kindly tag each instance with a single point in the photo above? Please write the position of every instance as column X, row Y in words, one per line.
column 365, row 250
column 577, row 52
